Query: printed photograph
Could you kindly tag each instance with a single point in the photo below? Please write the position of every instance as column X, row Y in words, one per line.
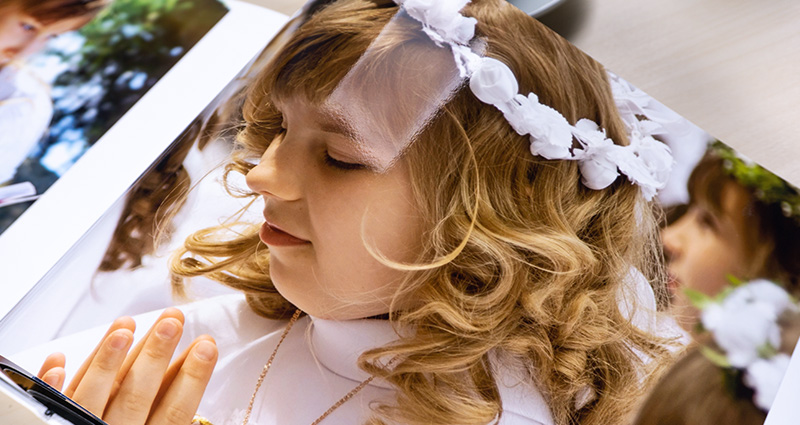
column 429, row 212
column 69, row 73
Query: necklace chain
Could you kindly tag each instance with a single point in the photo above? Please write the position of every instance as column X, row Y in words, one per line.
column 267, row 366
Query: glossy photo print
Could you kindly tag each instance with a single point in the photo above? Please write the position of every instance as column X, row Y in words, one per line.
column 67, row 75
column 429, row 212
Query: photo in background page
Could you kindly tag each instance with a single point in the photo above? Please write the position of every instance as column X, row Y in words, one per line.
column 93, row 76
column 41, row 236
column 120, row 266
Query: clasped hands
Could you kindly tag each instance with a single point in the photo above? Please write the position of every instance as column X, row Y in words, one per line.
column 141, row 386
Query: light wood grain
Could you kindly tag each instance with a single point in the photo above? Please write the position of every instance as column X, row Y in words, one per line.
column 730, row 66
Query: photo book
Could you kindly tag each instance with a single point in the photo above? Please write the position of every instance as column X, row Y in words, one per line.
column 116, row 153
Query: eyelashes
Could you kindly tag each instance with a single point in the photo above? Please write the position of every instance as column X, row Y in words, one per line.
column 341, row 165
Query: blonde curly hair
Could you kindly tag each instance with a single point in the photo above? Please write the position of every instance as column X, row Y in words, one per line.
column 522, row 264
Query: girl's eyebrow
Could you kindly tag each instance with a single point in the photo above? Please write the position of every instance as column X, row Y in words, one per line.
column 330, row 122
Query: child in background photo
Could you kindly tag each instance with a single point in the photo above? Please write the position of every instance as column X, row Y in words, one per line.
column 730, row 378
column 447, row 239
column 743, row 222
column 25, row 104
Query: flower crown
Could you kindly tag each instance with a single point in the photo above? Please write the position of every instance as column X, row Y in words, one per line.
column 645, row 161
column 767, row 187
column 744, row 323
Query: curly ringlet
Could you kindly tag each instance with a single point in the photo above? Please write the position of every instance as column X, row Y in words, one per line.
column 522, row 264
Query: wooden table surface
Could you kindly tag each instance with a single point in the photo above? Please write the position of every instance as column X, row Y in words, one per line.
column 730, row 66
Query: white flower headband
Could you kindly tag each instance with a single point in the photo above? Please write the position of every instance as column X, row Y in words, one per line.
column 744, row 323
column 645, row 161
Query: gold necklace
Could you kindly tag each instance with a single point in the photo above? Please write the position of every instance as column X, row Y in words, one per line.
column 264, row 371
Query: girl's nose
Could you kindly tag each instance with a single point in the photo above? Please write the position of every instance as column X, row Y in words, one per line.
column 277, row 173
column 672, row 237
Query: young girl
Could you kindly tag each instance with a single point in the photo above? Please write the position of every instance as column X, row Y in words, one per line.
column 742, row 221
column 698, row 390
column 25, row 105
column 433, row 264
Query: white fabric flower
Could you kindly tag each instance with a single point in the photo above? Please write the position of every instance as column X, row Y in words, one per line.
column 746, row 320
column 598, row 169
column 494, row 83
column 551, row 134
column 770, row 294
column 743, row 330
column 598, row 172
column 629, row 99
column 764, row 378
column 647, row 162
column 442, row 20
column 467, row 61
column 632, row 103
column 656, row 157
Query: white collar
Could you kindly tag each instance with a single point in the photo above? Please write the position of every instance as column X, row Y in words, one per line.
column 338, row 344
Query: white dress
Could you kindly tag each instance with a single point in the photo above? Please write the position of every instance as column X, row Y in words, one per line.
column 25, row 112
column 313, row 369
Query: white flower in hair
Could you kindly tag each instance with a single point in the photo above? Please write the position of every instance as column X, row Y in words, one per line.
column 598, row 169
column 551, row 134
column 633, row 103
column 442, row 20
column 494, row 83
column 767, row 293
column 741, row 330
column 745, row 323
column 764, row 376
column 646, row 162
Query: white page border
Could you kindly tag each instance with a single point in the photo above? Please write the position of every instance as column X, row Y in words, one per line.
column 52, row 225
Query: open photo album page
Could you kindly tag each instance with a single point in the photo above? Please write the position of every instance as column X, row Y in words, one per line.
column 143, row 109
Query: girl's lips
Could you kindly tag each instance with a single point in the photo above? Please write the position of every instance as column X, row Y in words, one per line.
column 274, row 236
column 673, row 284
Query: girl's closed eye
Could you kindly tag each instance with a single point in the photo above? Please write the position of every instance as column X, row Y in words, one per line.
column 342, row 165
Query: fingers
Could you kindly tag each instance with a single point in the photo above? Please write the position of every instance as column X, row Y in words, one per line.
column 53, row 360
column 182, row 397
column 52, row 370
column 141, row 383
column 55, row 377
column 95, row 387
column 121, row 323
column 168, row 313
column 176, row 365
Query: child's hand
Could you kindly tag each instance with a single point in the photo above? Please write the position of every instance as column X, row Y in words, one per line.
column 142, row 387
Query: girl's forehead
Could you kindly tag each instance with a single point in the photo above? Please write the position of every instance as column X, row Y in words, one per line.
column 339, row 132
column 323, row 116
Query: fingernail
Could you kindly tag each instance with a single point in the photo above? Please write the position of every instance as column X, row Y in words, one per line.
column 118, row 341
column 52, row 379
column 167, row 329
column 205, row 350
